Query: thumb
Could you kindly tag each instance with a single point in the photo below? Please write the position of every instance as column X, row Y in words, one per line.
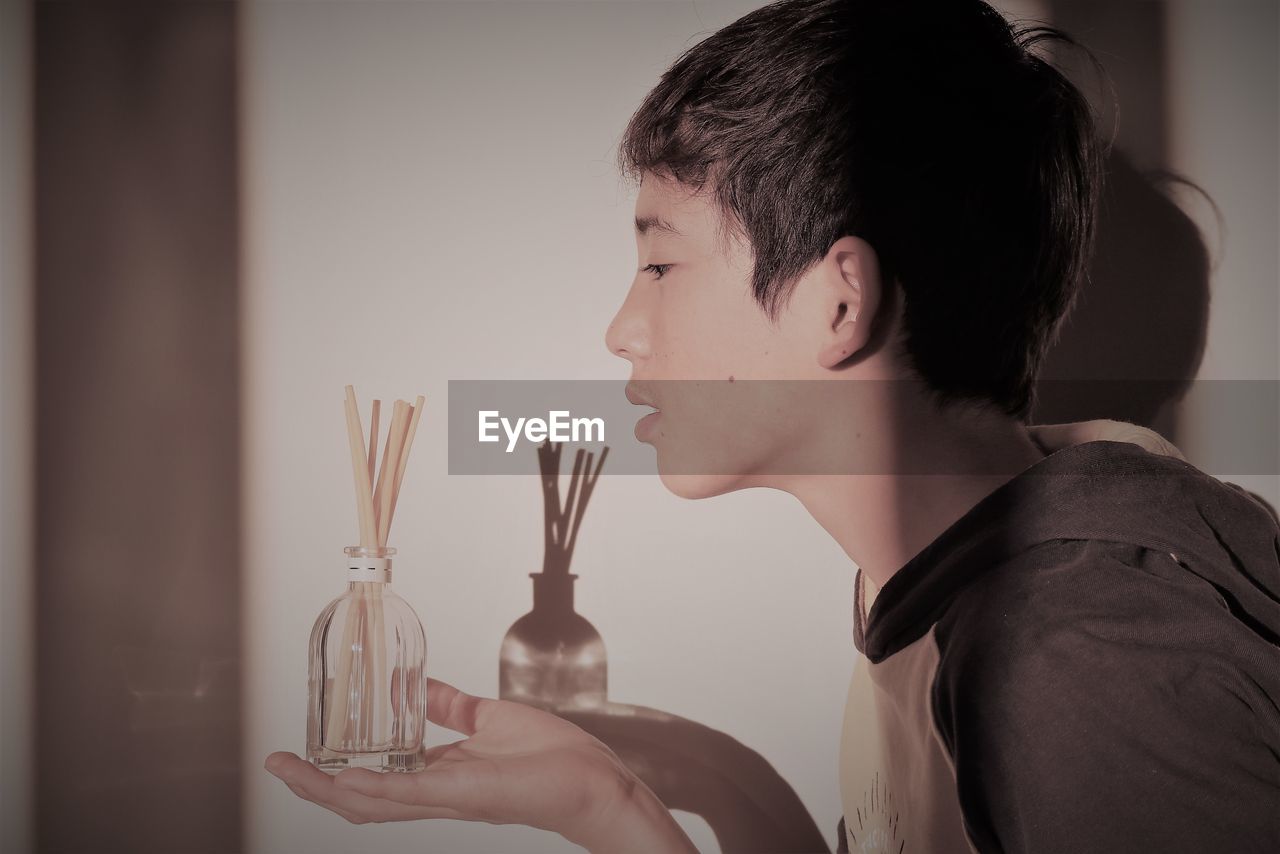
column 456, row 710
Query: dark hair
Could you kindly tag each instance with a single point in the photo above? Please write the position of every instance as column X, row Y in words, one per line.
column 929, row 129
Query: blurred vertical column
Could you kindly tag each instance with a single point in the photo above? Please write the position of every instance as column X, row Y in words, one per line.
column 137, row 545
column 16, row 623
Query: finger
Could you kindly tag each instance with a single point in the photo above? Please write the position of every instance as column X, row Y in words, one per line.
column 275, row 760
column 454, row 709
column 432, row 755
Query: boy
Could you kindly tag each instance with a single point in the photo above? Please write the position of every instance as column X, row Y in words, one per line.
column 891, row 205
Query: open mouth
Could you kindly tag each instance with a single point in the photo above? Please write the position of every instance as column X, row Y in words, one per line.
column 645, row 426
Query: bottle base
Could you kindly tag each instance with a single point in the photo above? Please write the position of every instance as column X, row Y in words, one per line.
column 391, row 761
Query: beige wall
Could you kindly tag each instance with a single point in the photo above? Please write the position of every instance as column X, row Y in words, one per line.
column 430, row 195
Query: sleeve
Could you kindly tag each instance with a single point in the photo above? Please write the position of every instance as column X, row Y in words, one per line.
column 1095, row 711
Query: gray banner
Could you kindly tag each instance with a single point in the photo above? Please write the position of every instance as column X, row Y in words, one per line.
column 781, row 427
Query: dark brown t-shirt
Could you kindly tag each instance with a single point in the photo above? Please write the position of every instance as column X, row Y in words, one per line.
column 1086, row 661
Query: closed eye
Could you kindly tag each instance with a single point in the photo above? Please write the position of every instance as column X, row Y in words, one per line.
column 658, row 270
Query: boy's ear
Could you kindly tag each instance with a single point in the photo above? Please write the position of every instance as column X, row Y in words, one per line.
column 851, row 291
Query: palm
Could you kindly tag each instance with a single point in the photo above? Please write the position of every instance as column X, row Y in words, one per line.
column 525, row 765
column 518, row 764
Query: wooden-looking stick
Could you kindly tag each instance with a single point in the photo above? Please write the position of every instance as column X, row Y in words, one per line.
column 364, row 496
column 416, row 414
column 382, row 475
column 390, row 460
column 373, row 439
column 371, row 644
column 336, row 725
column 378, row 703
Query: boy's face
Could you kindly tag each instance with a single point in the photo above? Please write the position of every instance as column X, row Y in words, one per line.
column 692, row 331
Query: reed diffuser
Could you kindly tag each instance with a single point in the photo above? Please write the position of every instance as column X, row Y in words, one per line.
column 367, row 704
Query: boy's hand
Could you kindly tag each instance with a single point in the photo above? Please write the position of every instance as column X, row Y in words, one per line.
column 1056, row 436
column 518, row 765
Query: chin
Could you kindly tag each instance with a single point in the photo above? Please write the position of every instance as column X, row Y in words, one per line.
column 694, row 486
column 703, row 468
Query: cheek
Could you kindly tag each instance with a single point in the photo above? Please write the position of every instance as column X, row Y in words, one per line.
column 716, row 330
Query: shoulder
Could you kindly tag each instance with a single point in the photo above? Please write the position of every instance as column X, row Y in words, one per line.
column 1064, row 592
column 1076, row 590
column 1074, row 678
column 1087, row 636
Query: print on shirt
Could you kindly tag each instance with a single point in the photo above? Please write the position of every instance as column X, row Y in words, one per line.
column 896, row 779
column 873, row 827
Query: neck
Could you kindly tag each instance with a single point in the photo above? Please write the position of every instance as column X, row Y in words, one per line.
column 956, row 458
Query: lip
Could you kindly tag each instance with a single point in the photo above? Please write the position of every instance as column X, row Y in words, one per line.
column 645, row 426
column 634, row 395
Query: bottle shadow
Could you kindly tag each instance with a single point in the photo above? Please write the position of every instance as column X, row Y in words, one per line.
column 554, row 659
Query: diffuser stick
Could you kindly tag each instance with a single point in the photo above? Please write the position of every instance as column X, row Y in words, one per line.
column 390, row 461
column 373, row 439
column 364, row 493
column 390, row 464
column 378, row 704
column 382, row 495
column 336, row 725
column 416, row 411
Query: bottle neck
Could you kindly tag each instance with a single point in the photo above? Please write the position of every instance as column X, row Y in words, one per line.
column 553, row 591
column 369, row 564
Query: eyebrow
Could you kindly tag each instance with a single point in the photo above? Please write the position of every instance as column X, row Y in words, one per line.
column 645, row 223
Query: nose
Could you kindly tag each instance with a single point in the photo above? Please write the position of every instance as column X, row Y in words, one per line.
column 628, row 335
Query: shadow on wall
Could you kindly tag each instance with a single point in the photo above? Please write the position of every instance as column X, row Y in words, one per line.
column 1136, row 335
column 554, row 659
column 1134, row 340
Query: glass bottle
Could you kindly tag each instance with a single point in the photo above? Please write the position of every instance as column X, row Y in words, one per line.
column 553, row 657
column 367, row 698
